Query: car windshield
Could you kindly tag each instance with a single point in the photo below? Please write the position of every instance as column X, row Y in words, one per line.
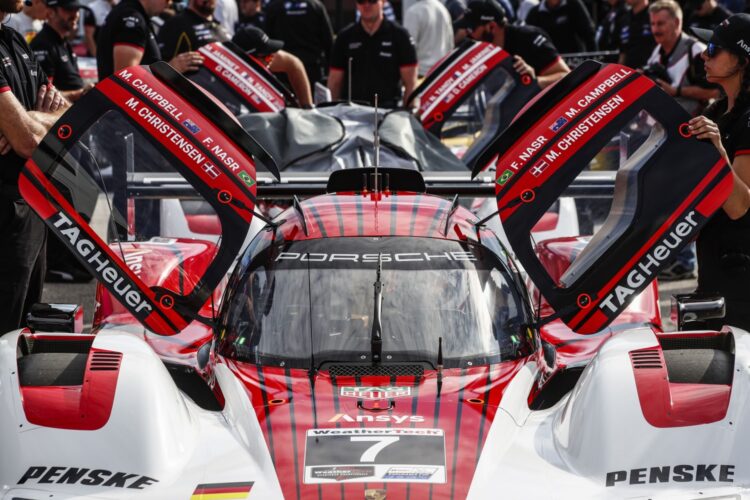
column 312, row 302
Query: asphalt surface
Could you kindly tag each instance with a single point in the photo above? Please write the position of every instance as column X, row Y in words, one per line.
column 83, row 293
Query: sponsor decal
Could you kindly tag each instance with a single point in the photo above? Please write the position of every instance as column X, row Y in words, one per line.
column 223, row 491
column 246, row 178
column 191, row 126
column 343, row 473
column 389, row 454
column 104, row 270
column 397, row 419
column 648, row 265
column 410, row 473
column 504, row 177
column 389, row 392
column 85, row 477
column 559, row 123
column 211, row 170
column 743, row 45
column 672, row 473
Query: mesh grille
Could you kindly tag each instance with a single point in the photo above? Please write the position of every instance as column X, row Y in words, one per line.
column 713, row 342
column 375, row 370
column 646, row 359
column 105, row 361
column 63, row 345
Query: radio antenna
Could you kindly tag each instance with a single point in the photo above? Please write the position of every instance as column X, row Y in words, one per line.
column 349, row 80
column 376, row 133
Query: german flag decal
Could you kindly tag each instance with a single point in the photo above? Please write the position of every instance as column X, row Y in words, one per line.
column 215, row 491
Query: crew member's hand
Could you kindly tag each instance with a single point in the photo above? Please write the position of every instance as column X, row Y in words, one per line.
column 49, row 100
column 187, row 61
column 666, row 87
column 522, row 67
column 4, row 145
column 703, row 128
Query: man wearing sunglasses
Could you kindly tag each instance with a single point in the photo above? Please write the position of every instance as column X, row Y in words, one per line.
column 533, row 52
column 382, row 57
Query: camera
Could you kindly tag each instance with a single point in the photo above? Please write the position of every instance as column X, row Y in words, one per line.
column 657, row 71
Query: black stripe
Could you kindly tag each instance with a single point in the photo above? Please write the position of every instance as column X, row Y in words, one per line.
column 435, row 219
column 414, row 211
column 336, row 410
column 247, row 484
column 339, row 218
column 186, row 134
column 290, row 402
column 414, row 402
column 488, row 384
column 266, row 409
column 457, row 429
column 360, row 222
column 561, row 133
column 318, row 220
column 435, row 416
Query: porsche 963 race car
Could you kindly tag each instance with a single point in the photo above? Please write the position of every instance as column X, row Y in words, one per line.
column 376, row 340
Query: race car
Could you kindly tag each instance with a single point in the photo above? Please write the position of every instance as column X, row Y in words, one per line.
column 377, row 340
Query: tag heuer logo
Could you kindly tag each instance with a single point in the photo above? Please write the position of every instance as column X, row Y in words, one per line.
column 375, row 392
column 504, row 177
column 246, row 178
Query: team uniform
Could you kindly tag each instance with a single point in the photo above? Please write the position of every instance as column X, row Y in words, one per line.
column 188, row 31
column 127, row 24
column 376, row 61
column 636, row 40
column 56, row 57
column 22, row 233
column 532, row 45
column 569, row 25
column 305, row 29
column 256, row 21
column 724, row 244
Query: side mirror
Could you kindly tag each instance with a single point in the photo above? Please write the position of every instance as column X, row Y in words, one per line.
column 204, row 355
column 63, row 318
column 689, row 308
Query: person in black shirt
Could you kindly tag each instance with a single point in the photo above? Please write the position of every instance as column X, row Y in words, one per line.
column 567, row 22
column 708, row 15
column 29, row 106
column 305, row 29
column 531, row 48
column 724, row 242
column 53, row 50
column 191, row 29
column 636, row 41
column 251, row 15
column 609, row 28
column 127, row 39
column 382, row 54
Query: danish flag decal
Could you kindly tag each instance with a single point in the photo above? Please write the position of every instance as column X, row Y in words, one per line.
column 454, row 79
column 664, row 192
column 182, row 128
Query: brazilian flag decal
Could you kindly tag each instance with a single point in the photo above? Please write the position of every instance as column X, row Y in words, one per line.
column 504, row 177
column 246, row 178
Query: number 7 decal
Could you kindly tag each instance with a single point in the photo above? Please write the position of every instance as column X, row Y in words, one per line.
column 380, row 443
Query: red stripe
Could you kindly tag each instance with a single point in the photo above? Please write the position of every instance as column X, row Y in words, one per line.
column 4, row 89
column 557, row 59
column 414, row 65
column 741, row 152
column 574, row 323
column 132, row 45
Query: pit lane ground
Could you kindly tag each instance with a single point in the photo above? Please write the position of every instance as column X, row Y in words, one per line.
column 83, row 293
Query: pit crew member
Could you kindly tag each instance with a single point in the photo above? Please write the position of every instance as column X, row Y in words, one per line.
column 191, row 29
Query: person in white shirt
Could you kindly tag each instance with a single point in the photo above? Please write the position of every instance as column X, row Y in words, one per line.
column 30, row 20
column 227, row 14
column 429, row 24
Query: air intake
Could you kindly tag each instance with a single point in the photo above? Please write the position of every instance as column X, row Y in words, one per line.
column 646, row 359
column 388, row 370
column 105, row 361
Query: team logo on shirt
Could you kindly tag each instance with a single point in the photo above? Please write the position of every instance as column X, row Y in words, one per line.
column 7, row 61
column 130, row 21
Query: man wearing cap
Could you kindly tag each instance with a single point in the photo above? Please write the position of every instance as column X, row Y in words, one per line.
column 724, row 242
column 29, row 106
column 257, row 44
column 191, row 29
column 383, row 57
column 533, row 52
column 29, row 21
column 53, row 50
column 127, row 39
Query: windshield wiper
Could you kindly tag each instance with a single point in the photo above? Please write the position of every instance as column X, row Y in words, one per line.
column 376, row 339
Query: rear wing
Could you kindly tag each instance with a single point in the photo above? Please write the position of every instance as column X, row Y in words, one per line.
column 168, row 125
column 664, row 192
